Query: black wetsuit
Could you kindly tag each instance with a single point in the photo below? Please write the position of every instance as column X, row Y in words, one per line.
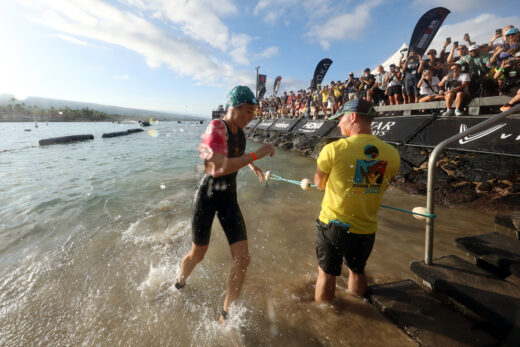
column 219, row 195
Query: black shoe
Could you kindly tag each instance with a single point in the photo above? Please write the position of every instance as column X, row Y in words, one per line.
column 179, row 286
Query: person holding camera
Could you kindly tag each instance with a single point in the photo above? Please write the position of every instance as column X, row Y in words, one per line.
column 462, row 51
column 351, row 87
column 376, row 94
column 433, row 63
column 429, row 87
column 367, row 82
column 411, row 72
column 508, row 76
column 456, row 85
column 393, row 81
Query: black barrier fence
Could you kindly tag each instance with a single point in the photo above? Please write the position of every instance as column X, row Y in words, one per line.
column 427, row 131
column 253, row 123
column 501, row 138
column 314, row 127
column 266, row 123
column 284, row 124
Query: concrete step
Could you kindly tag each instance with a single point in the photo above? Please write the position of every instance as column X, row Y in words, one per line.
column 495, row 300
column 426, row 319
column 496, row 249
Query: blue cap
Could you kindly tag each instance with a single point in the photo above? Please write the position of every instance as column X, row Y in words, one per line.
column 512, row 31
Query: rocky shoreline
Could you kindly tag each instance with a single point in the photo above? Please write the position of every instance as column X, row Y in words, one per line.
column 484, row 181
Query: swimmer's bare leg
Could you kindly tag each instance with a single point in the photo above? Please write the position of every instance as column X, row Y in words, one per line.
column 194, row 256
column 325, row 286
column 241, row 258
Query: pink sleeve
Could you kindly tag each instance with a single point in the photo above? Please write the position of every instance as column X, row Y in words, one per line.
column 214, row 140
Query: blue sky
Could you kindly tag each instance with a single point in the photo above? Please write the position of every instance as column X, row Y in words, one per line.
column 184, row 56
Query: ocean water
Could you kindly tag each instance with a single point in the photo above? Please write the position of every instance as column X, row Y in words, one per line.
column 92, row 234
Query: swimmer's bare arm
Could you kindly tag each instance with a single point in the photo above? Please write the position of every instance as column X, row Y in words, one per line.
column 218, row 165
column 320, row 179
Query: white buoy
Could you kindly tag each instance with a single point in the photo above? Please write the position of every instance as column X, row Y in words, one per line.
column 306, row 184
column 419, row 209
column 267, row 175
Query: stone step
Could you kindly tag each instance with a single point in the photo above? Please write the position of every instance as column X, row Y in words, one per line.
column 510, row 220
column 495, row 300
column 493, row 248
column 426, row 319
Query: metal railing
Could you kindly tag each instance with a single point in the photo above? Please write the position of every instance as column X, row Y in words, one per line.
column 430, row 208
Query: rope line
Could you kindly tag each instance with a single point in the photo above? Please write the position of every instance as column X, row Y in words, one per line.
column 425, row 214
column 278, row 178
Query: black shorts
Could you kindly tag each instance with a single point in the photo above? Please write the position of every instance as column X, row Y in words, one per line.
column 333, row 243
column 224, row 203
column 378, row 95
column 410, row 86
column 395, row 90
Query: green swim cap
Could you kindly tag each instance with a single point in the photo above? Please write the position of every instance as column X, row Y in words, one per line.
column 240, row 95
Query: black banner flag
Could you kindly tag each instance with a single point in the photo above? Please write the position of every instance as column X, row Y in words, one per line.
column 319, row 73
column 426, row 28
column 260, row 86
column 277, row 82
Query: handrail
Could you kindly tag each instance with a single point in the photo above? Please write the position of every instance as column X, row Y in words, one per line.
column 428, row 252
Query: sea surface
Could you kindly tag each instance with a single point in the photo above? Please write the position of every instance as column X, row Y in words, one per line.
column 92, row 234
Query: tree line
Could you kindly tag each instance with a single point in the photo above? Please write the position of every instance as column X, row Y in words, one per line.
column 22, row 112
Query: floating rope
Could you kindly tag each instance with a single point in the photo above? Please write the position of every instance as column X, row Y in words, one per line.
column 305, row 184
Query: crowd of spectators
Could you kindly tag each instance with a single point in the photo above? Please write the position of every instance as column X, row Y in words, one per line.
column 466, row 71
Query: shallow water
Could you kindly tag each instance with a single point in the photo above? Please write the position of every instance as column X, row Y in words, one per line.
column 92, row 233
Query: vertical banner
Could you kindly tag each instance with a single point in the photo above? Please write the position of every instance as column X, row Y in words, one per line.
column 320, row 71
column 260, row 85
column 426, row 29
column 277, row 82
column 319, row 74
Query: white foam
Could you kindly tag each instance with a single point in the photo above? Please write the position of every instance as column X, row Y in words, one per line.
column 158, row 279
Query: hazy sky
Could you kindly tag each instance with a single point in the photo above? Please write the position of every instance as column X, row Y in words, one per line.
column 184, row 55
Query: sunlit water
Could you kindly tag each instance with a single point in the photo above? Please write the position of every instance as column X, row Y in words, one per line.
column 92, row 234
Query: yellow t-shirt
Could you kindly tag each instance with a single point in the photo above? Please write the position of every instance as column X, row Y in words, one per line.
column 359, row 169
column 324, row 95
column 337, row 92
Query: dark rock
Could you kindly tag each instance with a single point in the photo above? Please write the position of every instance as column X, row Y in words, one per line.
column 502, row 185
column 485, row 187
column 404, row 169
column 286, row 145
column 449, row 167
column 413, row 155
column 451, row 196
column 483, row 167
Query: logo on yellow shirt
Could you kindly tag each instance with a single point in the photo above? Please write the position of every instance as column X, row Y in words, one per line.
column 369, row 173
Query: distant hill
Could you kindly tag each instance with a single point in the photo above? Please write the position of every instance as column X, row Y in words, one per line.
column 46, row 103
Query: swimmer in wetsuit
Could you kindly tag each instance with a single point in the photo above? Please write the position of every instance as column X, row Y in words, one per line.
column 223, row 148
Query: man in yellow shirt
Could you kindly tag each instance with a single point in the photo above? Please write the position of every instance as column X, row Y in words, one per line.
column 354, row 172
